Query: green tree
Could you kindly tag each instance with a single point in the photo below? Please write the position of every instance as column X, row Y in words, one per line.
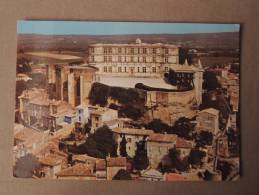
column 204, row 138
column 140, row 160
column 100, row 144
column 178, row 163
column 196, row 156
column 210, row 81
column 26, row 166
column 183, row 128
column 123, row 150
column 158, row 126
column 122, row 175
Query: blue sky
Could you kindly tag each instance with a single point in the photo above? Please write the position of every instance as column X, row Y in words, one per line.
column 117, row 28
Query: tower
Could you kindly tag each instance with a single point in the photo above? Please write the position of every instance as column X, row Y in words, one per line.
column 198, row 80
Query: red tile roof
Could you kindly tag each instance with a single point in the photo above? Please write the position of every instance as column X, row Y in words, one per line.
column 116, row 162
column 174, row 177
column 157, row 137
column 76, row 170
column 182, row 143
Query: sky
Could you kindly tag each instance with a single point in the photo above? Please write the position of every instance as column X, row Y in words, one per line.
column 118, row 28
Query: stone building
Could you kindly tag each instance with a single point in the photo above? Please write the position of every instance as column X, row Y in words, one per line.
column 208, row 120
column 184, row 147
column 101, row 116
column 114, row 164
column 38, row 111
column 158, row 146
column 132, row 136
column 71, row 83
column 133, row 59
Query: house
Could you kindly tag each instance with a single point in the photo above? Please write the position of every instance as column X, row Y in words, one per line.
column 79, row 171
column 114, row 164
column 50, row 165
column 132, row 136
column 208, row 120
column 158, row 146
column 27, row 140
column 151, row 175
column 83, row 158
column 100, row 169
column 184, row 147
column 101, row 115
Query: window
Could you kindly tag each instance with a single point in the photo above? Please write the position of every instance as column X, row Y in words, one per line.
column 166, row 50
column 129, row 140
column 153, row 69
column 110, row 69
column 125, row 69
column 119, row 58
column 96, row 118
column 144, row 50
column 105, row 59
column 110, row 59
column 105, row 50
column 119, row 50
column 154, row 59
column 144, row 69
column 166, row 69
column 91, row 50
column 154, row 50
column 109, row 50
column 119, row 69
column 138, row 69
column 132, row 59
column 166, row 59
column 132, row 50
column 105, row 69
column 144, row 59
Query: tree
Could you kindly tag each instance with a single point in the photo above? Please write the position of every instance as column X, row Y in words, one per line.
column 210, row 81
column 100, row 144
column 158, row 126
column 183, row 128
column 178, row 163
column 225, row 168
column 204, row 138
column 196, row 157
column 25, row 166
column 140, row 160
column 122, row 175
column 123, row 143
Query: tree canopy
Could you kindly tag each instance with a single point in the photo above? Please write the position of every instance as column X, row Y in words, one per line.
column 122, row 175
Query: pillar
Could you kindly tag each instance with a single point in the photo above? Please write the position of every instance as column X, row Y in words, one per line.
column 71, row 89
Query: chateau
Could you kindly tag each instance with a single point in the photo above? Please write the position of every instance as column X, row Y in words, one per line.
column 133, row 59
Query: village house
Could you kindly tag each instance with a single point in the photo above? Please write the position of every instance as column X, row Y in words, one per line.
column 38, row 111
column 100, row 169
column 208, row 120
column 83, row 158
column 151, row 175
column 100, row 116
column 184, row 147
column 27, row 140
column 158, row 146
column 114, row 164
column 132, row 136
column 50, row 165
column 78, row 171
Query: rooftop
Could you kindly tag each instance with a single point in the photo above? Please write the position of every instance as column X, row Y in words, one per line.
column 174, row 177
column 157, row 137
column 76, row 170
column 100, row 164
column 51, row 160
column 132, row 131
column 212, row 111
column 182, row 143
column 116, row 162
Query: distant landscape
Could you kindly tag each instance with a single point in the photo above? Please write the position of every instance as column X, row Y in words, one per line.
column 211, row 41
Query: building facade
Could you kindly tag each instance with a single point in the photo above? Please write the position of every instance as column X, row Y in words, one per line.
column 133, row 59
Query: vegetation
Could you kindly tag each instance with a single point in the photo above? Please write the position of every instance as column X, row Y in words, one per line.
column 123, row 143
column 26, row 166
column 204, row 138
column 196, row 156
column 140, row 160
column 210, row 81
column 158, row 126
column 178, row 163
column 183, row 128
column 122, row 175
column 99, row 145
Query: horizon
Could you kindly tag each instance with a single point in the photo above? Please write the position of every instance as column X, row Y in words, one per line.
column 93, row 28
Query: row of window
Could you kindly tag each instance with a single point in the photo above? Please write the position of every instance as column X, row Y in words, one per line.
column 109, row 50
column 124, row 59
column 131, row 69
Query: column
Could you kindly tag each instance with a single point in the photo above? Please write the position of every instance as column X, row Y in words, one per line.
column 71, row 89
